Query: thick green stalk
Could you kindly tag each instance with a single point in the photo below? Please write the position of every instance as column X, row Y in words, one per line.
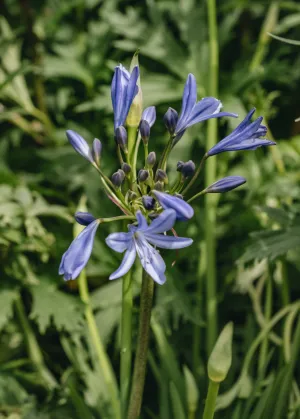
column 104, row 363
column 210, row 172
column 126, row 339
column 34, row 352
column 268, row 313
column 210, row 403
column 140, row 363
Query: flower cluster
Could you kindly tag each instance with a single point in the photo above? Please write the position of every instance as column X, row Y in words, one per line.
column 144, row 196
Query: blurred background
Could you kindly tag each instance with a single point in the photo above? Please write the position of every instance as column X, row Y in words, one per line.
column 56, row 64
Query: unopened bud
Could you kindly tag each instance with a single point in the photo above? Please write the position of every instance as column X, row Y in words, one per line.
column 170, row 120
column 151, row 159
column 145, row 131
column 159, row 186
column 121, row 137
column 117, row 178
column 132, row 195
column 126, row 168
column 220, row 359
column 148, row 202
column 188, row 169
column 96, row 151
column 161, row 176
column 143, row 175
column 180, row 165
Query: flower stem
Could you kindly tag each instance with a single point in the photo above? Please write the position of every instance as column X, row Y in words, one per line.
column 126, row 336
column 104, row 363
column 140, row 363
column 210, row 172
column 194, row 178
column 211, row 398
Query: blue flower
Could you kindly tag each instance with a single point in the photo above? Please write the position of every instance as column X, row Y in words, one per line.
column 226, row 184
column 193, row 112
column 84, row 218
column 79, row 252
column 183, row 210
column 123, row 90
column 138, row 242
column 246, row 136
column 149, row 115
column 80, row 145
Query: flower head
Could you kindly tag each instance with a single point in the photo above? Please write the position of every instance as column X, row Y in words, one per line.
column 226, row 184
column 138, row 241
column 123, row 90
column 182, row 209
column 193, row 112
column 246, row 136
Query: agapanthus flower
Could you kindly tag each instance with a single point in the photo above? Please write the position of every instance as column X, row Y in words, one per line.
column 246, row 136
column 226, row 184
column 193, row 112
column 123, row 90
column 182, row 209
column 81, row 146
column 138, row 241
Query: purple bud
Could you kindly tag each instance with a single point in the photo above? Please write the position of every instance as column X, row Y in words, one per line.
column 151, row 159
column 117, row 178
column 149, row 115
column 226, row 184
column 143, row 175
column 126, row 168
column 170, row 120
column 145, row 131
column 84, row 218
column 188, row 169
column 121, row 137
column 80, row 145
column 183, row 210
column 148, row 202
column 180, row 165
column 96, row 151
column 161, row 176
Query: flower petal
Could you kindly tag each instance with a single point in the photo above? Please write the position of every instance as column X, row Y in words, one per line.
column 226, row 184
column 79, row 252
column 79, row 144
column 168, row 242
column 142, row 222
column 164, row 222
column 126, row 264
column 84, row 218
column 149, row 115
column 151, row 260
column 119, row 241
column 188, row 101
column 183, row 210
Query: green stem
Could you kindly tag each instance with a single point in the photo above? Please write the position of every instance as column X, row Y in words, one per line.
column 126, row 339
column 163, row 160
column 104, row 363
column 131, row 138
column 268, row 313
column 210, row 172
column 33, row 348
column 140, row 363
column 194, row 178
column 210, row 403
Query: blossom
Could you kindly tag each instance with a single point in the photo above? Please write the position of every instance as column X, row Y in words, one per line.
column 80, row 145
column 123, row 90
column 246, row 136
column 226, row 184
column 138, row 241
column 79, row 252
column 149, row 115
column 193, row 112
column 182, row 209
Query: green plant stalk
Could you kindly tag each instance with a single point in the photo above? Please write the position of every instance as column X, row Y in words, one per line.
column 104, row 363
column 126, row 342
column 140, row 363
column 33, row 348
column 268, row 313
column 210, row 403
column 131, row 139
column 210, row 176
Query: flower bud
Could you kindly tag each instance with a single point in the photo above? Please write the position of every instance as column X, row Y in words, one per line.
column 84, row 218
column 188, row 169
column 121, row 138
column 117, row 178
column 126, row 168
column 180, row 165
column 149, row 115
column 151, row 159
column 226, row 184
column 96, row 151
column 170, row 120
column 161, row 176
column 192, row 391
column 148, row 202
column 143, row 175
column 145, row 131
column 220, row 359
column 132, row 195
column 136, row 108
column 159, row 186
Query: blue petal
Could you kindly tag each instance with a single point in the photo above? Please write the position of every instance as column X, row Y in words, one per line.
column 97, row 148
column 79, row 252
column 183, row 210
column 168, row 242
column 164, row 222
column 151, row 260
column 79, row 144
column 131, row 92
column 149, row 115
column 126, row 264
column 84, row 218
column 142, row 222
column 119, row 241
column 188, row 101
column 226, row 184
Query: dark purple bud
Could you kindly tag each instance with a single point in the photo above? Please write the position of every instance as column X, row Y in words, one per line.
column 126, row 168
column 143, row 175
column 180, row 165
column 121, row 137
column 145, row 131
column 148, row 202
column 151, row 159
column 188, row 169
column 226, row 184
column 84, row 218
column 96, row 151
column 170, row 120
column 161, row 176
column 117, row 178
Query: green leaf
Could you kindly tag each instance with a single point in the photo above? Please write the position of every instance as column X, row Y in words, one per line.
column 7, row 298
